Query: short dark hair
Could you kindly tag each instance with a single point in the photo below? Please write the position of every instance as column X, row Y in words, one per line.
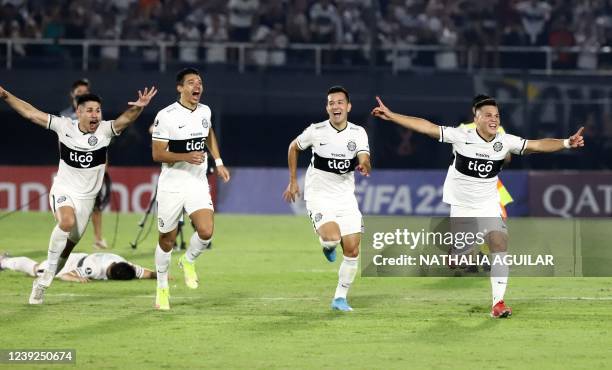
column 82, row 99
column 184, row 72
column 122, row 271
column 79, row 82
column 481, row 100
column 339, row 89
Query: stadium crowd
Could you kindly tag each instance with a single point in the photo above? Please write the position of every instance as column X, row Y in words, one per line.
column 469, row 25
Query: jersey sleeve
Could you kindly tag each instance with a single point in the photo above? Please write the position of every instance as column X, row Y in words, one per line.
column 57, row 124
column 305, row 139
column 138, row 269
column 362, row 142
column 108, row 129
column 516, row 145
column 451, row 135
column 160, row 128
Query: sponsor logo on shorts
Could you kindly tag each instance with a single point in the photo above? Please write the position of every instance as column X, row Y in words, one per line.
column 498, row 146
column 160, row 222
column 318, row 217
column 351, row 146
column 92, row 140
column 61, row 199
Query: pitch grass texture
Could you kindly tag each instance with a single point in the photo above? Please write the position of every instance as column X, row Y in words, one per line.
column 263, row 303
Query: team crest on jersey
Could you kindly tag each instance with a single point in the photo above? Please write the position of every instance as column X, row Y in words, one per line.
column 160, row 222
column 318, row 217
column 205, row 123
column 61, row 199
column 351, row 146
column 88, row 271
column 498, row 146
column 92, row 140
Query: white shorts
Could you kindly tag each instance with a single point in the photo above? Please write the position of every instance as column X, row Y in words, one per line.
column 349, row 219
column 170, row 205
column 82, row 212
column 483, row 219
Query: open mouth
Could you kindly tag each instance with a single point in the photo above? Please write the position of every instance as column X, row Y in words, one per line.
column 337, row 114
column 493, row 126
column 196, row 94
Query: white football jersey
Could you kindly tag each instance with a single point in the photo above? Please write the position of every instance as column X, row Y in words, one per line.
column 82, row 157
column 471, row 180
column 185, row 130
column 91, row 266
column 330, row 175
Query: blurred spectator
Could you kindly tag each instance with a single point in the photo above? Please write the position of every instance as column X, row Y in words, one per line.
column 216, row 31
column 242, row 14
column 271, row 46
column 325, row 24
column 534, row 17
column 297, row 22
column 561, row 37
column 188, row 32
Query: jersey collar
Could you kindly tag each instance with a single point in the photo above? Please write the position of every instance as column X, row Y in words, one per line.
column 189, row 109
column 483, row 139
column 337, row 131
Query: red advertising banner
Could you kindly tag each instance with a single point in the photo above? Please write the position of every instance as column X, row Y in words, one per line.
column 27, row 188
column 570, row 194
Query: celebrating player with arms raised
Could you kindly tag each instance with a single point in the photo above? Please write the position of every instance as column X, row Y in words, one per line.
column 83, row 147
column 181, row 133
column 338, row 147
column 471, row 182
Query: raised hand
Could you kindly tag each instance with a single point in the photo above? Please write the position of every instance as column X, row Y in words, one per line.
column 381, row 111
column 292, row 192
column 144, row 98
column 3, row 93
column 577, row 140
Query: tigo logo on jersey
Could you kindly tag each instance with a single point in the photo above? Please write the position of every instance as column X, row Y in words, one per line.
column 92, row 140
column 483, row 169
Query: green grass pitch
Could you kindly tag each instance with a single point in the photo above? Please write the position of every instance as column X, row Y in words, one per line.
column 264, row 302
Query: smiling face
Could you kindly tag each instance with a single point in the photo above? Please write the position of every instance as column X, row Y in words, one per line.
column 487, row 120
column 190, row 90
column 338, row 108
column 89, row 115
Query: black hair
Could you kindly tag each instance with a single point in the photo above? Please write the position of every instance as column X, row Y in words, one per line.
column 481, row 100
column 122, row 271
column 184, row 72
column 339, row 89
column 79, row 82
column 82, row 99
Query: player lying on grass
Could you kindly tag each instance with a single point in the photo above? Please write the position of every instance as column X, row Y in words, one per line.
column 81, row 267
column 471, row 182
column 83, row 145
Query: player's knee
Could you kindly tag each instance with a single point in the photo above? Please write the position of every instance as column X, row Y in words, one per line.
column 205, row 233
column 352, row 251
column 497, row 242
column 66, row 223
column 166, row 242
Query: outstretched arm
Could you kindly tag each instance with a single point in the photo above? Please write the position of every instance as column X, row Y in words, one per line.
column 554, row 145
column 148, row 274
column 293, row 189
column 213, row 147
column 25, row 109
column 419, row 125
column 130, row 115
column 364, row 166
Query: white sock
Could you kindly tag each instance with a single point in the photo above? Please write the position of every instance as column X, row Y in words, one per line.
column 346, row 275
column 23, row 264
column 499, row 276
column 196, row 247
column 57, row 243
column 328, row 244
column 162, row 265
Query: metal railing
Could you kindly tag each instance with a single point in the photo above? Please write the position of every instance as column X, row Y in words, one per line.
column 393, row 53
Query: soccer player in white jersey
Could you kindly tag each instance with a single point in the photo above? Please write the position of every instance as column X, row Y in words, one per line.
column 81, row 267
column 181, row 133
column 471, row 182
column 83, row 146
column 338, row 148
